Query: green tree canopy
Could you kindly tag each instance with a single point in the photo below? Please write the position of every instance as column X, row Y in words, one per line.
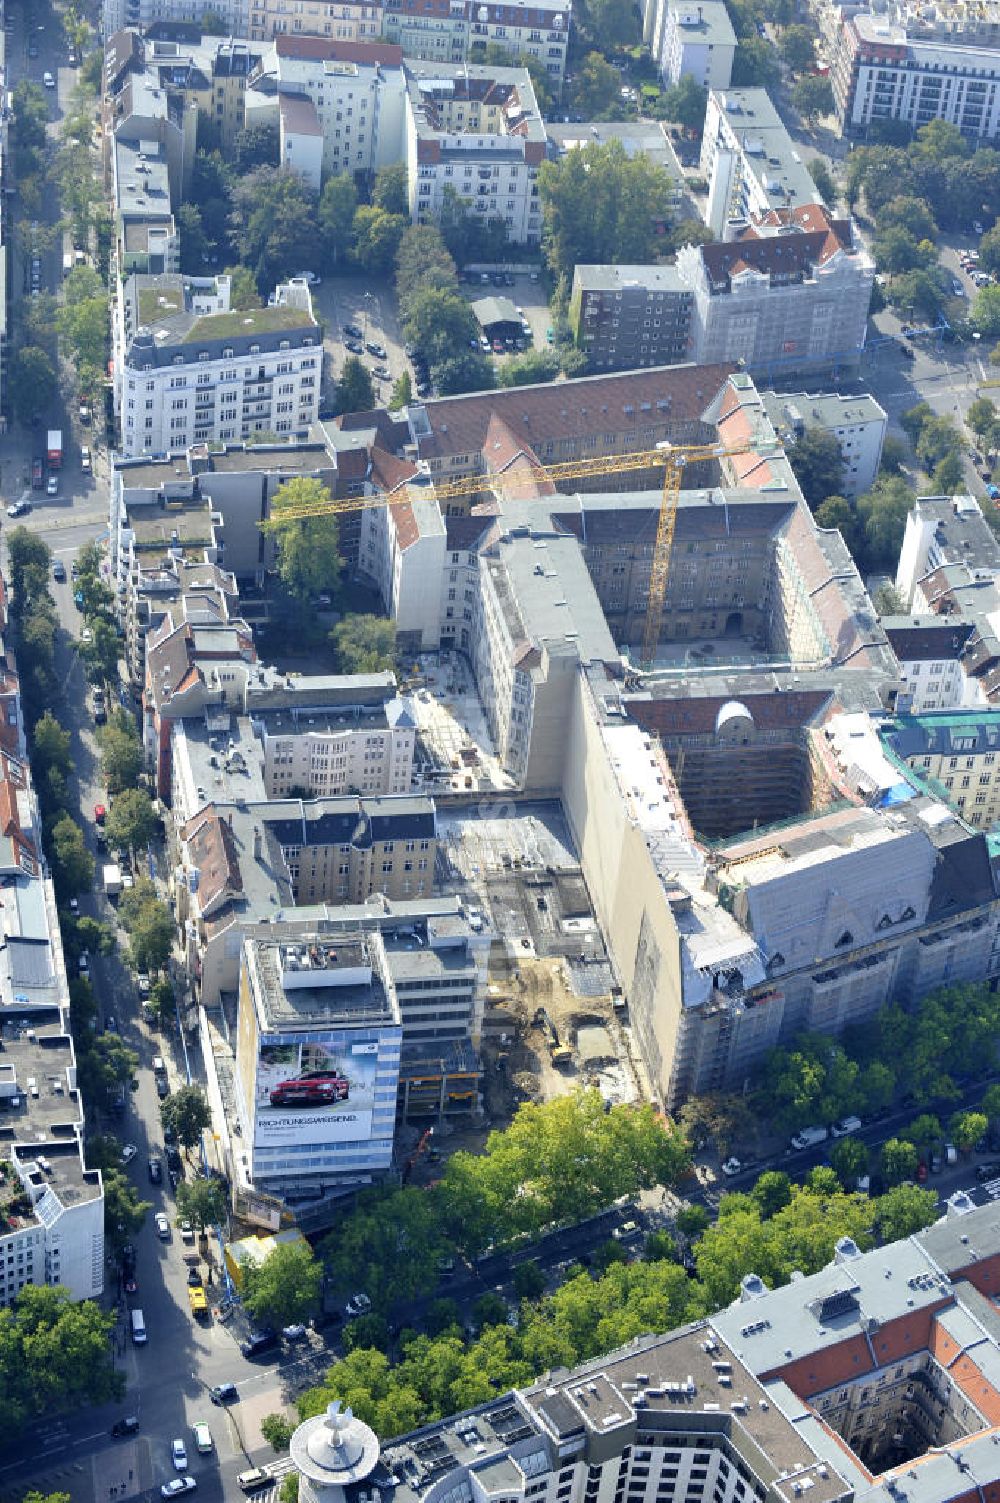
column 364, row 644
column 390, row 189
column 798, row 48
column 818, row 463
column 124, row 1212
column 601, row 205
column 824, row 180
column 903, row 1210
column 188, row 1113
column 72, row 863
column 33, row 383
column 203, row 1202
column 813, row 96
column 273, row 223
column 54, row 1355
column 422, row 260
column 131, row 820
column 286, row 1287
column 899, row 1160
column 309, row 558
column 685, row 102
column 121, row 758
column 377, row 235
column 595, row 90
column 337, row 206
column 355, row 392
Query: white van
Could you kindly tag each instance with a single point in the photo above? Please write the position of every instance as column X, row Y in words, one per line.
column 138, row 1328
column 809, row 1137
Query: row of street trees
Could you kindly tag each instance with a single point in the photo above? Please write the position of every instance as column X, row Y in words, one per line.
column 776, row 1229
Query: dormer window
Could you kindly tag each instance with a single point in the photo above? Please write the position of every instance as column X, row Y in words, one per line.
column 255, row 349
column 227, row 353
column 178, row 359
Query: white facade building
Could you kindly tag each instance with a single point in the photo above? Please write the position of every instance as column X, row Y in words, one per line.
column 190, row 371
column 857, row 423
column 919, row 64
column 750, row 161
column 340, row 104
column 691, row 39
column 117, row 14
column 354, row 749
column 402, row 551
column 478, row 132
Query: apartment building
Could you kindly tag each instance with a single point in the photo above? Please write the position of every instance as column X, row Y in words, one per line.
column 116, row 15
column 749, row 160
column 339, row 106
column 789, row 294
column 344, row 20
column 916, row 64
column 52, row 1226
column 857, row 423
column 850, row 1383
column 188, row 370
column 932, row 655
column 944, row 534
column 954, row 754
column 624, row 317
column 477, row 131
column 359, row 748
column 691, row 40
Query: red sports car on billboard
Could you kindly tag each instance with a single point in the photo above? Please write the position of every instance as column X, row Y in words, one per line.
column 317, row 1088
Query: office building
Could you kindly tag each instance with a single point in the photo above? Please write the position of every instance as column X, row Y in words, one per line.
column 749, row 160
column 625, row 317
column 871, row 1380
column 857, row 423
column 477, row 131
column 691, row 40
column 915, row 64
column 190, row 370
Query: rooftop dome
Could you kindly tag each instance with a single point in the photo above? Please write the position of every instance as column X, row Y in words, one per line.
column 334, row 1449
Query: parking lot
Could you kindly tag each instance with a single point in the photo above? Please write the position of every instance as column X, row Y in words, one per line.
column 369, row 305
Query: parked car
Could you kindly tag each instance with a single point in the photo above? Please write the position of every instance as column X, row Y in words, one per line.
column 354, row 346
column 358, row 1304
column 187, row 1231
column 162, row 1226
column 353, row 331
column 129, row 1152
column 378, row 350
column 202, row 1437
column 52, row 485
column 294, row 1333
column 155, row 1171
column 19, row 508
column 59, row 571
column 845, row 1126
column 178, row 1454
column 259, row 1342
column 48, row 80
column 85, row 460
column 732, row 1166
column 809, row 1137
column 127, row 1426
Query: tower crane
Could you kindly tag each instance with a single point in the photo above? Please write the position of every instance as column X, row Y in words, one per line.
column 672, row 459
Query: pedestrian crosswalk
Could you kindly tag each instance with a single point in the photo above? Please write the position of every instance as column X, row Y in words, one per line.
column 280, row 1468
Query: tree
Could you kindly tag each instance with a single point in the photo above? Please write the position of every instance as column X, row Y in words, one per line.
column 422, row 260
column 692, row 1220
column 194, row 241
column 989, row 250
column 812, row 96
column 823, row 178
column 595, row 90
column 188, row 1113
column 402, row 392
column 818, row 464
column 55, row 1355
column 288, row 1490
column 611, row 24
column 600, row 205
column 203, row 1202
column 967, row 1128
column 101, row 653
column 660, row 1247
column 903, row 1210
column 273, row 223
column 355, row 392
column 309, row 558
column 755, row 64
column 277, row 1431
column 897, row 251
column 151, row 934
column 439, row 323
column 685, row 103
column 899, row 1161
column 131, row 820
column 797, row 48
column 985, row 313
column 772, row 1192
column 470, row 370
column 124, row 1212
column 121, row 759
column 849, row 1159
column 255, row 146
column 286, row 1287
column 924, row 1131
column 981, row 416
column 367, row 1330
column 837, row 513
column 918, row 293
column 883, row 511
column 72, row 863
column 33, row 383
column 104, row 1068
column 398, row 1238
column 50, row 746
column 911, row 214
column 338, row 204
column 939, row 436
column 377, row 236
column 528, row 1280
column 490, row 1309
column 161, row 1005
column 530, row 369
column 725, row 1119
column 364, row 644
column 390, row 190
column 948, row 475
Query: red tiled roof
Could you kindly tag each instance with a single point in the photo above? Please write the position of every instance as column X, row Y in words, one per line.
column 572, row 410
column 334, row 50
column 388, row 472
